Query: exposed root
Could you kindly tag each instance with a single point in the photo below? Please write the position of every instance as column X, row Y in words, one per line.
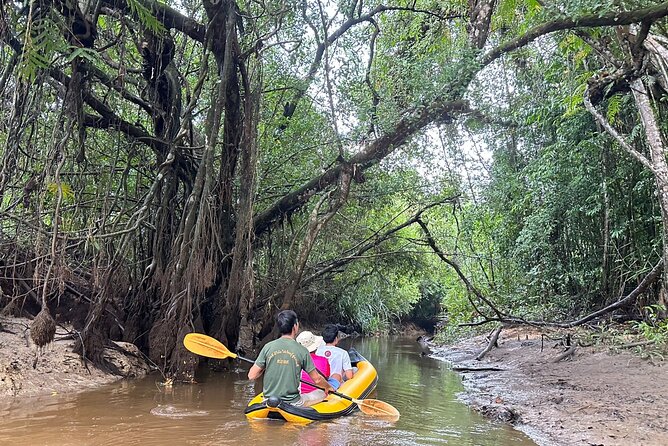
column 43, row 328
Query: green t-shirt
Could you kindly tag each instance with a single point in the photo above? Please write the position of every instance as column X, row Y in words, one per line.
column 283, row 360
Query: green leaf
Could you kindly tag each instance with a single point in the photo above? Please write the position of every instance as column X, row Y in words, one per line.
column 614, row 105
column 146, row 17
column 85, row 53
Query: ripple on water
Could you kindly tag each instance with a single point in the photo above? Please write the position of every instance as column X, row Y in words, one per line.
column 170, row 411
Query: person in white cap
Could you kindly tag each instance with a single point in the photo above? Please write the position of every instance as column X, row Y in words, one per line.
column 312, row 342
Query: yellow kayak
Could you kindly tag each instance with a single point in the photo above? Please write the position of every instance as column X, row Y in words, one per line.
column 359, row 387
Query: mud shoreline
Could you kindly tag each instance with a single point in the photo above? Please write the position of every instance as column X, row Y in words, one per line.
column 594, row 397
column 57, row 369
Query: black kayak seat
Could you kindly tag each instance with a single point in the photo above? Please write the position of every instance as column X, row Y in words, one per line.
column 355, row 357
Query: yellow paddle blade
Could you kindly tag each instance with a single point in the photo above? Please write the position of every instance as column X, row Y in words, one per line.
column 204, row 345
column 378, row 408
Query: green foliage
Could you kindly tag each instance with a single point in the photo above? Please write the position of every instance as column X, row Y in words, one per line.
column 654, row 327
column 510, row 12
column 85, row 53
column 428, row 307
column 41, row 45
column 378, row 290
column 529, row 234
column 145, row 16
column 614, row 107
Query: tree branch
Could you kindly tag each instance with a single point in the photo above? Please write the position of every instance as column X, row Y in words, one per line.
column 623, row 302
column 650, row 14
column 169, row 17
column 365, row 158
column 608, row 128
column 458, row 270
column 291, row 105
column 376, row 242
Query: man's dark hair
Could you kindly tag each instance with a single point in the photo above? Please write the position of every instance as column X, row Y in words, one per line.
column 329, row 332
column 285, row 320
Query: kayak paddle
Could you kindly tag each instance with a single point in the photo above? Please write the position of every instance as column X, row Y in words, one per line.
column 204, row 345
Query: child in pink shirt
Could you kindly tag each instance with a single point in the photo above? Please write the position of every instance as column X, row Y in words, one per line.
column 321, row 364
column 312, row 342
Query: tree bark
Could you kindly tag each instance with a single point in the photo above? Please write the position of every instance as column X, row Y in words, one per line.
column 480, row 17
column 660, row 167
column 241, row 288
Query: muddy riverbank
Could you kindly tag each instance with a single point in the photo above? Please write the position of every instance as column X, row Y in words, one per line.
column 57, row 369
column 596, row 396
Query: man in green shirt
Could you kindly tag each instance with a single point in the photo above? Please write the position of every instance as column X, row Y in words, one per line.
column 282, row 360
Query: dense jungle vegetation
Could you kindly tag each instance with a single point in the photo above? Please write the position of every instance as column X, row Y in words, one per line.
column 184, row 165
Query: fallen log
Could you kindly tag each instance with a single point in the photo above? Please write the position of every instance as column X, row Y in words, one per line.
column 568, row 353
column 477, row 369
column 637, row 344
column 492, row 342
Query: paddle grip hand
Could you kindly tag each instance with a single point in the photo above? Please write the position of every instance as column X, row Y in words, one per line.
column 327, row 391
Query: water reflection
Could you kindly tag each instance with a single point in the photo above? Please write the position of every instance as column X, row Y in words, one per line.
column 211, row 412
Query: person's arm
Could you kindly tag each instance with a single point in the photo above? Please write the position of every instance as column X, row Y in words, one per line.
column 320, row 381
column 257, row 369
column 347, row 366
column 255, row 372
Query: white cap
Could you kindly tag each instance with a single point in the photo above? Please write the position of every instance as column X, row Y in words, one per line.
column 310, row 341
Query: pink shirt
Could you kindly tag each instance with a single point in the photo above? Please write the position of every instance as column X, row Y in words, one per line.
column 321, row 364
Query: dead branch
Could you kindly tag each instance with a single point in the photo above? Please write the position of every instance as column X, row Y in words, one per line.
column 478, row 369
column 627, row 300
column 623, row 302
column 637, row 344
column 492, row 342
column 432, row 243
column 567, row 354
column 376, row 240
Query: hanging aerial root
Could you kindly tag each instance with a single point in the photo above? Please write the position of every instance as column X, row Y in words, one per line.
column 43, row 328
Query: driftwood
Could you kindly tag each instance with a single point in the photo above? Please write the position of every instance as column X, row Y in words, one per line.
column 477, row 369
column 637, row 344
column 492, row 342
column 567, row 354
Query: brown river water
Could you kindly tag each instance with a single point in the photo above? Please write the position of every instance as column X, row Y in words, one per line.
column 143, row 413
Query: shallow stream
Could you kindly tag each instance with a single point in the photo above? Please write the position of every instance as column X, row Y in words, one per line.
column 141, row 412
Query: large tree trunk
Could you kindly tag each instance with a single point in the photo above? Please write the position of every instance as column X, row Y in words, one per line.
column 659, row 167
column 480, row 17
column 195, row 265
column 238, row 324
